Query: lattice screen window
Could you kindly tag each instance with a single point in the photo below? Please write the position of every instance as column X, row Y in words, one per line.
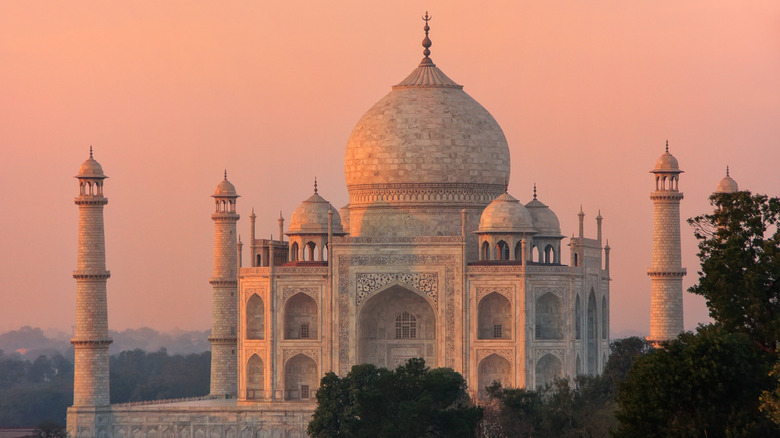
column 305, row 330
column 304, row 391
column 497, row 331
column 405, row 326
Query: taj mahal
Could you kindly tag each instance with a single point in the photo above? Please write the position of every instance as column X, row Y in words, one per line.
column 432, row 257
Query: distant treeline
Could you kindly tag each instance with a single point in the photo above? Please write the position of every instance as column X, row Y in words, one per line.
column 32, row 392
column 31, row 342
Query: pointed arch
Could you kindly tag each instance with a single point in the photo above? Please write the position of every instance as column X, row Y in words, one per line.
column 548, row 368
column 255, row 317
column 494, row 317
column 519, row 251
column 255, row 378
column 485, row 251
column 549, row 254
column 604, row 314
column 395, row 325
column 300, row 378
column 309, row 251
column 577, row 317
column 591, row 333
column 493, row 368
column 502, row 250
column 294, row 252
column 549, row 317
column 300, row 317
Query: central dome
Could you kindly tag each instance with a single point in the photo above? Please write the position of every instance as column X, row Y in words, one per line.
column 427, row 132
column 423, row 153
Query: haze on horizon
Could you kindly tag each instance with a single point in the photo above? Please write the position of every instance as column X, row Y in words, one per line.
column 171, row 95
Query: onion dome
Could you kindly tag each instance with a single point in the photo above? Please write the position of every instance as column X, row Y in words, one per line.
column 91, row 168
column 544, row 219
column 506, row 215
column 666, row 162
column 727, row 184
column 426, row 140
column 311, row 217
column 225, row 189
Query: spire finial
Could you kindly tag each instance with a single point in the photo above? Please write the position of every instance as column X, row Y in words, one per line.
column 225, row 174
column 90, row 151
column 315, row 185
column 727, row 170
column 506, row 186
column 667, row 145
column 534, row 190
column 426, row 41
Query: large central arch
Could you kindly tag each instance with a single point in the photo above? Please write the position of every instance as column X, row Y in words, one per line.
column 394, row 326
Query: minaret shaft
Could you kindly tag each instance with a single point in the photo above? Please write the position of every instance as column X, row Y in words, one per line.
column 666, row 271
column 91, row 341
column 224, row 314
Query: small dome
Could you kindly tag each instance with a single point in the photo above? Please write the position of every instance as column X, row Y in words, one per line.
column 666, row 162
column 91, row 168
column 225, row 188
column 506, row 215
column 311, row 217
column 727, row 184
column 545, row 220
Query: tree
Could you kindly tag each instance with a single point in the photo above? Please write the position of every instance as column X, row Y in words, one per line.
column 50, row 429
column 740, row 268
column 705, row 384
column 411, row 401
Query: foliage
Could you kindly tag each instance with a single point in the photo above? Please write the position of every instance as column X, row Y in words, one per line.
column 705, row 384
column 583, row 407
column 740, row 269
column 33, row 392
column 50, row 429
column 770, row 399
column 411, row 401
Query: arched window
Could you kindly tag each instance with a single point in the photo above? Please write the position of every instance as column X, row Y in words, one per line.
column 300, row 317
column 308, row 252
column 591, row 333
column 577, row 318
column 494, row 315
column 325, row 252
column 548, row 369
column 254, row 378
column 603, row 317
column 255, row 318
column 294, row 252
column 519, row 251
column 485, row 251
column 493, row 368
column 405, row 326
column 502, row 251
column 259, row 260
column 300, row 378
column 549, row 318
column 549, row 254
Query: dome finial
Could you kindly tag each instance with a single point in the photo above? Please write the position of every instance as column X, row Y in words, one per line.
column 426, row 41
column 534, row 190
column 315, row 185
column 225, row 174
column 667, row 145
column 90, row 151
column 727, row 170
column 506, row 186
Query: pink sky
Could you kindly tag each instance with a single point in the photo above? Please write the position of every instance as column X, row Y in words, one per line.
column 171, row 93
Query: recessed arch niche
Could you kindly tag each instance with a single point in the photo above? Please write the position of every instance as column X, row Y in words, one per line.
column 395, row 325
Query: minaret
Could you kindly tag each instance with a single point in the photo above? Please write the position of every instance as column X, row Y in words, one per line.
column 224, row 319
column 90, row 382
column 666, row 272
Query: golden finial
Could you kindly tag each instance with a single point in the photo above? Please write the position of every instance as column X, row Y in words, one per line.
column 90, row 151
column 225, row 174
column 667, row 145
column 727, row 170
column 534, row 190
column 426, row 41
column 315, row 185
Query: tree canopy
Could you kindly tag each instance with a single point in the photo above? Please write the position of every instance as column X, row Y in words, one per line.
column 739, row 248
column 411, row 401
column 703, row 384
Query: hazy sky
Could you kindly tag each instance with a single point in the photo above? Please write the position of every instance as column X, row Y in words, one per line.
column 171, row 93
